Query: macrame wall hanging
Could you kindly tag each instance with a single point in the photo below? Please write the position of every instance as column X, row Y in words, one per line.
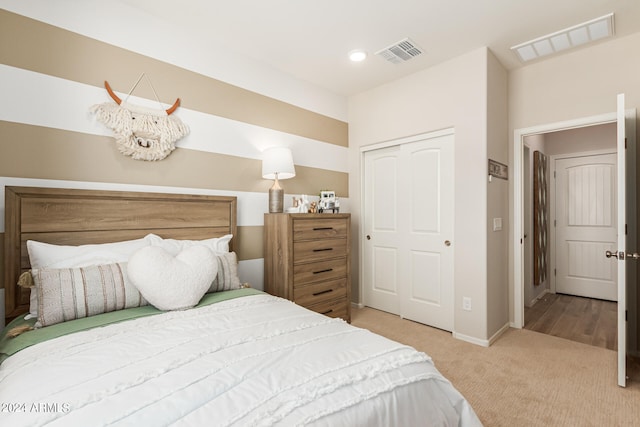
column 140, row 132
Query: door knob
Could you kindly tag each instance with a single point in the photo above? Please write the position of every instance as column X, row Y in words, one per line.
column 616, row 254
column 447, row 243
column 368, row 237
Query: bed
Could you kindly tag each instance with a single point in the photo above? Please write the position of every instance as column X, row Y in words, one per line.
column 240, row 357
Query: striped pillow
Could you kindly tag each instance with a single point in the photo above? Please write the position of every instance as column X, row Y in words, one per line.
column 73, row 293
column 227, row 278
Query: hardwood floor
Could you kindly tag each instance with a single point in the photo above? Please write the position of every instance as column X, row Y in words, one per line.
column 586, row 320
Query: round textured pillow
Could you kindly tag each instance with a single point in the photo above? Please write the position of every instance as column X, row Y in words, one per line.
column 171, row 282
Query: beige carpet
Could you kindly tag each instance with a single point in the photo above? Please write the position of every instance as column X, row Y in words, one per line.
column 525, row 378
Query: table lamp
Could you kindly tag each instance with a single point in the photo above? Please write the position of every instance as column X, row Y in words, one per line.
column 277, row 163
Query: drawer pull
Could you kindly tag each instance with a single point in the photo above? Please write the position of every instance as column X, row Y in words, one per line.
column 322, row 292
column 322, row 228
column 327, row 312
column 323, row 271
column 323, row 250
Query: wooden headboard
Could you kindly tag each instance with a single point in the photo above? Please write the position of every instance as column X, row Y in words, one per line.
column 77, row 217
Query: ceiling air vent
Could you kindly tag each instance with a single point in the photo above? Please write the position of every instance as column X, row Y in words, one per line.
column 400, row 52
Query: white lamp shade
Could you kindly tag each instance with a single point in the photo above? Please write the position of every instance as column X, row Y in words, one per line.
column 277, row 160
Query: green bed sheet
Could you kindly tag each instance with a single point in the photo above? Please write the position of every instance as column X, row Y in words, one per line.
column 10, row 346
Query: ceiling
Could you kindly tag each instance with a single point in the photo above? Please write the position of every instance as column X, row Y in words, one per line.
column 310, row 40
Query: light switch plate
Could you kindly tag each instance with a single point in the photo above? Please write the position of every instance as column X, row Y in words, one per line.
column 497, row 224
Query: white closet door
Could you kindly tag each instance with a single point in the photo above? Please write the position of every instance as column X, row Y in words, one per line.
column 382, row 246
column 408, row 221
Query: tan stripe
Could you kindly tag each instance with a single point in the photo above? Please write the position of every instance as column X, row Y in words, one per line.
column 46, row 153
column 47, row 49
column 250, row 242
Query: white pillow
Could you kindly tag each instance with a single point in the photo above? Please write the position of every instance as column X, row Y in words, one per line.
column 46, row 255
column 175, row 246
column 171, row 282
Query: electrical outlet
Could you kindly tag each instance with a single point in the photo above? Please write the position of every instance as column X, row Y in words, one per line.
column 466, row 303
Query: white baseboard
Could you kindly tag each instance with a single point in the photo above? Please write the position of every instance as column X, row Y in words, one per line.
column 498, row 334
column 357, row 305
column 481, row 342
column 472, row 340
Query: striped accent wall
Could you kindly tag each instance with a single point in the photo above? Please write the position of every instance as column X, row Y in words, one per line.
column 51, row 76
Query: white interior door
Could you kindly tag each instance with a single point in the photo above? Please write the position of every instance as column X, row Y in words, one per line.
column 622, row 246
column 408, row 227
column 586, row 226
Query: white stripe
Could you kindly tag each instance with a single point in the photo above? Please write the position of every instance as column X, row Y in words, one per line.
column 251, row 271
column 42, row 100
column 181, row 47
column 251, row 205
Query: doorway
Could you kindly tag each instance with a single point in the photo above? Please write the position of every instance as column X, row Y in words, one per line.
column 627, row 230
column 574, row 183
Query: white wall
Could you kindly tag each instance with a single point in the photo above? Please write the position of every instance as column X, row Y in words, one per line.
column 497, row 200
column 591, row 138
column 452, row 94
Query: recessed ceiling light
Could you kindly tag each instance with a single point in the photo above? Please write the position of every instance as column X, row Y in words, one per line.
column 357, row 55
column 577, row 35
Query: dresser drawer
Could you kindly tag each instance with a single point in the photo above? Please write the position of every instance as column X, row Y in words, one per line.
column 316, row 293
column 319, row 271
column 317, row 250
column 304, row 229
column 333, row 308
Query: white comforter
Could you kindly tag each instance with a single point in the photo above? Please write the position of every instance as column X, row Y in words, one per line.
column 251, row 361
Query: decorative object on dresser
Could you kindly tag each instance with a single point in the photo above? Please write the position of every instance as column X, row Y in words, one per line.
column 307, row 260
column 277, row 163
column 328, row 201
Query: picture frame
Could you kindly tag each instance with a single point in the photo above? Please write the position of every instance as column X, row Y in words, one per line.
column 328, row 202
column 498, row 170
column 327, row 194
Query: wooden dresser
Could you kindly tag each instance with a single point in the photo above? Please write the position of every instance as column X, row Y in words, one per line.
column 307, row 260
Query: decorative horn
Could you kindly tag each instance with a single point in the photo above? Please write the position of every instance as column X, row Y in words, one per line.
column 174, row 107
column 170, row 110
column 111, row 93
